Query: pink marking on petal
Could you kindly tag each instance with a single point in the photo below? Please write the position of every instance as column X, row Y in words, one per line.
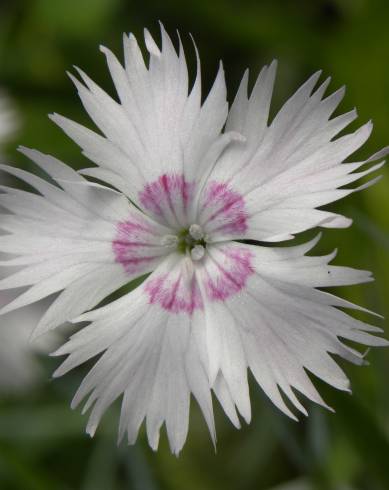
column 232, row 275
column 133, row 227
column 133, row 247
column 169, row 192
column 170, row 195
column 225, row 208
column 178, row 295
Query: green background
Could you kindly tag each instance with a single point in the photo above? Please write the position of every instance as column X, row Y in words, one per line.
column 42, row 442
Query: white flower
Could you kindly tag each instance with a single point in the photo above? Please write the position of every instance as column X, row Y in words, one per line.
column 8, row 119
column 20, row 368
column 204, row 182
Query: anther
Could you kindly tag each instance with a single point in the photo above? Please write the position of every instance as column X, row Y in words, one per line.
column 196, row 232
column 197, row 252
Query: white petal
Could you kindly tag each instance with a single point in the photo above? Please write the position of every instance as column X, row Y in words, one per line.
column 291, row 167
column 275, row 316
column 222, row 393
column 191, row 329
column 20, row 366
column 77, row 237
column 232, row 360
column 159, row 127
column 249, row 115
column 79, row 296
column 148, row 355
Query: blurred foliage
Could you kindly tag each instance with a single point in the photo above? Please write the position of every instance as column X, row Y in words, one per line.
column 42, row 443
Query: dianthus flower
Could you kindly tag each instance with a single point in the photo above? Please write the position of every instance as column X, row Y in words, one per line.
column 195, row 189
column 19, row 367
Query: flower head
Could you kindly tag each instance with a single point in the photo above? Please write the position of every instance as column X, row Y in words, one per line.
column 193, row 188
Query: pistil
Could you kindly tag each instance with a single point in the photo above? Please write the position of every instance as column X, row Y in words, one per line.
column 189, row 241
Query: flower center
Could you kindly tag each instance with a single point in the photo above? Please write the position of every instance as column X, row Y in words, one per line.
column 192, row 241
column 175, row 203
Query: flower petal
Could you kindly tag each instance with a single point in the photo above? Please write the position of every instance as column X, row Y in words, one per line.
column 77, row 237
column 196, row 328
column 277, row 314
column 20, row 367
column 288, row 169
column 149, row 356
column 159, row 127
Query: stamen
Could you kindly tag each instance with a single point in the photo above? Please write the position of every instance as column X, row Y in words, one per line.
column 192, row 241
column 197, row 252
column 196, row 232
